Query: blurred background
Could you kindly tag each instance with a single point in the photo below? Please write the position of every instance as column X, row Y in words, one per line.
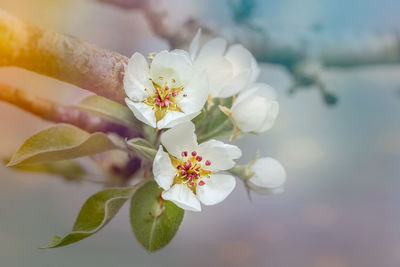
column 340, row 205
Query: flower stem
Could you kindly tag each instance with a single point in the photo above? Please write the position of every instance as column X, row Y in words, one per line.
column 215, row 132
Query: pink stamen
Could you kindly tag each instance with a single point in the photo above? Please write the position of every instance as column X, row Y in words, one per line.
column 192, row 184
column 174, row 93
column 188, row 164
column 201, row 183
column 166, row 87
column 194, row 153
column 184, row 154
column 199, row 158
column 208, row 163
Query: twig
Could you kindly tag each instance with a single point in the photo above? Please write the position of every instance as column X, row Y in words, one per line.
column 264, row 47
column 158, row 18
column 58, row 113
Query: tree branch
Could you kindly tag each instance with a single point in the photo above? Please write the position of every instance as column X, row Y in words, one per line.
column 62, row 57
column 158, row 18
column 57, row 113
column 264, row 47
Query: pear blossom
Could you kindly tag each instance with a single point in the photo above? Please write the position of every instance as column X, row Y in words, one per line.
column 189, row 172
column 267, row 176
column 166, row 92
column 229, row 68
column 255, row 109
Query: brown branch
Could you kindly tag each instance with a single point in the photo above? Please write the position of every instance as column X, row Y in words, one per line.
column 57, row 113
column 62, row 57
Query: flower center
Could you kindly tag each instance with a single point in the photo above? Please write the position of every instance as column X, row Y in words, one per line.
column 163, row 99
column 189, row 170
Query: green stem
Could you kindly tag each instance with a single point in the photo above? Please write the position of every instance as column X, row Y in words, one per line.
column 242, row 172
column 214, row 132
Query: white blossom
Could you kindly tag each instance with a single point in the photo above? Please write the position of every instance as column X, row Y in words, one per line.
column 188, row 171
column 255, row 109
column 267, row 176
column 167, row 92
column 229, row 68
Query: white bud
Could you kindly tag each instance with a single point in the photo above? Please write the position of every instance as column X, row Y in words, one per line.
column 255, row 109
column 268, row 176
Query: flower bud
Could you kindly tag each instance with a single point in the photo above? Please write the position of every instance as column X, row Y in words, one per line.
column 255, row 109
column 268, row 176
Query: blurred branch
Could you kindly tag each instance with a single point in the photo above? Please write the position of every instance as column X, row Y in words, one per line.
column 270, row 49
column 58, row 113
column 158, row 19
column 257, row 40
column 242, row 10
column 62, row 57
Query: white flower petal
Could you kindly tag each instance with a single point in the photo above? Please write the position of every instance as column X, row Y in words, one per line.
column 269, row 120
column 184, row 53
column 220, row 155
column 256, row 89
column 183, row 197
column 142, row 112
column 173, row 67
column 254, row 70
column 196, row 92
column 214, row 47
column 179, row 139
column 173, row 118
column 250, row 115
column 234, row 85
column 219, row 72
column 265, row 90
column 244, row 96
column 265, row 191
column 255, row 109
column 244, row 65
column 136, row 78
column 241, row 59
column 268, row 173
column 194, row 45
column 163, row 170
column 215, row 189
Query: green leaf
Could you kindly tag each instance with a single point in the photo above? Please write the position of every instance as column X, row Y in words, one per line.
column 154, row 221
column 143, row 146
column 96, row 213
column 60, row 142
column 104, row 107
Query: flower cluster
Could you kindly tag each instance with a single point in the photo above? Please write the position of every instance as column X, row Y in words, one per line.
column 215, row 86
